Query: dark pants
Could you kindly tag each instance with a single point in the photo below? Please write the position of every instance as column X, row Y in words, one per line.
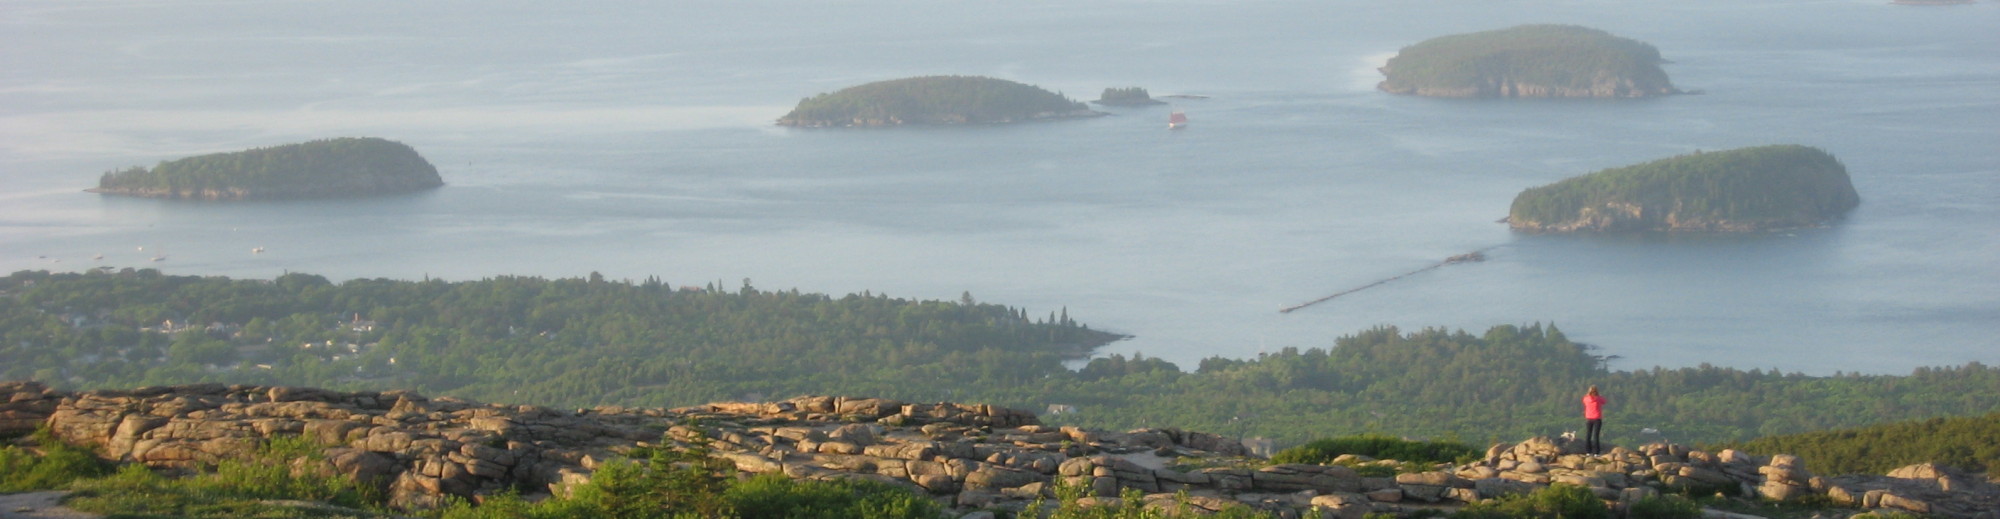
column 1593, row 436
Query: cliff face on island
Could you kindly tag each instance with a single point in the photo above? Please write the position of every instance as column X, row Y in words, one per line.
column 1528, row 61
column 318, row 169
column 934, row 100
column 1746, row 189
column 423, row 451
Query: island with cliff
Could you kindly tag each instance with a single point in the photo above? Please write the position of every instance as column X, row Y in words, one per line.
column 934, row 100
column 1564, row 61
column 341, row 167
column 1745, row 189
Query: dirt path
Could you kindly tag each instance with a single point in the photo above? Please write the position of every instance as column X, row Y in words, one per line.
column 38, row 505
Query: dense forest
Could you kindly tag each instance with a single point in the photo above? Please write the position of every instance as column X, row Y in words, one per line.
column 347, row 166
column 1970, row 443
column 582, row 342
column 1528, row 61
column 1744, row 189
column 933, row 100
column 517, row 339
column 1126, row 96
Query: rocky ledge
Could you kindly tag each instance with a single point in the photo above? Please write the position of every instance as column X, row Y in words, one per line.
column 971, row 457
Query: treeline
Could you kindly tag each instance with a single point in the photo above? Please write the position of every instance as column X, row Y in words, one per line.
column 1762, row 186
column 1559, row 56
column 930, row 100
column 1970, row 443
column 563, row 342
column 328, row 167
column 585, row 342
column 1508, row 383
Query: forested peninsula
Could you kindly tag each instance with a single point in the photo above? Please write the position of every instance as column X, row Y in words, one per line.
column 341, row 167
column 582, row 342
column 1745, row 189
column 1528, row 61
column 937, row 100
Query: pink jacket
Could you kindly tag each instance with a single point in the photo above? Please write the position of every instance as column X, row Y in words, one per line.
column 1593, row 407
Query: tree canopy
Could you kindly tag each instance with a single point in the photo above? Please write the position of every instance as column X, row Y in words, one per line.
column 330, row 167
column 1126, row 96
column 1528, row 61
column 589, row 341
column 1755, row 188
column 1970, row 443
column 932, row 100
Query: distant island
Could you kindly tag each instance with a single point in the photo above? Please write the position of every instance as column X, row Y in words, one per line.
column 1528, row 61
column 1129, row 96
column 1745, row 189
column 943, row 100
column 342, row 167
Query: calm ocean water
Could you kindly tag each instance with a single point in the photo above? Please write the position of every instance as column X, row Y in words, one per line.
column 634, row 139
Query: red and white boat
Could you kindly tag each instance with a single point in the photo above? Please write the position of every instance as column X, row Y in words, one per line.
column 1177, row 121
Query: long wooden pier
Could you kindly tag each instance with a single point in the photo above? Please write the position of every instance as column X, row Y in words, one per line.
column 1469, row 257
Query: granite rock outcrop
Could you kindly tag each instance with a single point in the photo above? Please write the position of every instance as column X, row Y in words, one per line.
column 969, row 456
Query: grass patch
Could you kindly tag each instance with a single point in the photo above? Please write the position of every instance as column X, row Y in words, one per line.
column 283, row 478
column 1799, row 508
column 1558, row 500
column 49, row 465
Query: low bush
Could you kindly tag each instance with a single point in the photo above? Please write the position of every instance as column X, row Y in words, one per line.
column 1664, row 507
column 1377, row 446
column 281, row 470
column 53, row 467
column 1559, row 500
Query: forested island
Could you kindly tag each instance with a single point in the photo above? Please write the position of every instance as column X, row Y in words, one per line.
column 582, row 342
column 1127, row 96
column 342, row 167
column 1745, row 189
column 1528, row 61
column 940, row 100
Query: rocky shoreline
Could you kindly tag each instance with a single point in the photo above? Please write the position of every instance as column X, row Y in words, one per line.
column 1633, row 218
column 940, row 120
column 971, row 457
column 1502, row 86
column 355, row 189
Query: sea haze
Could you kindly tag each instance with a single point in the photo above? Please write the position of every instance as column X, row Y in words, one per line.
column 634, row 139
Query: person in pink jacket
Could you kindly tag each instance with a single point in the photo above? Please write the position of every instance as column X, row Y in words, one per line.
column 1593, row 419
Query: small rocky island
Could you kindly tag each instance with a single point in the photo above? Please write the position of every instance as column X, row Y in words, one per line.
column 1128, row 96
column 342, row 167
column 1745, row 189
column 937, row 100
column 1528, row 61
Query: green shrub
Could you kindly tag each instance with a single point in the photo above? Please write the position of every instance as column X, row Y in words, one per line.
column 1664, row 507
column 1376, row 446
column 55, row 467
column 1558, row 501
column 686, row 483
column 774, row 496
column 1131, row 505
column 285, row 468
column 1971, row 443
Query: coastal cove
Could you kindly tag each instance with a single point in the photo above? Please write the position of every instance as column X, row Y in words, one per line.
column 651, row 152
